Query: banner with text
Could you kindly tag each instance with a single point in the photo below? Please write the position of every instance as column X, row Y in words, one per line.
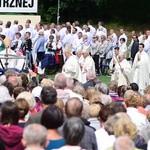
column 19, row 6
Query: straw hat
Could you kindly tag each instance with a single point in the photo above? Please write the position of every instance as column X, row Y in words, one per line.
column 7, row 42
column 85, row 50
column 79, row 50
column 41, row 33
column 68, row 49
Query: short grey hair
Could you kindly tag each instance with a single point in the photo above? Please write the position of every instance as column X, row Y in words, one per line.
column 60, row 81
column 73, row 131
column 102, row 87
column 35, row 134
column 123, row 143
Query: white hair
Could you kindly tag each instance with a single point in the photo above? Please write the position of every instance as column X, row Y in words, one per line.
column 123, row 143
column 28, row 97
column 35, row 134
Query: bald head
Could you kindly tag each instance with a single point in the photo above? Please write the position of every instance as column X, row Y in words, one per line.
column 73, row 107
column 90, row 75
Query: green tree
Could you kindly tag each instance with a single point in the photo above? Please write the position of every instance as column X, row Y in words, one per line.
column 125, row 11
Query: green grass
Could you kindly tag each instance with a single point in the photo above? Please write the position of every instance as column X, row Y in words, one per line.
column 104, row 79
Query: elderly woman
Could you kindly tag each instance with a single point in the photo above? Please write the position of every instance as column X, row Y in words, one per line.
column 132, row 100
column 30, row 99
column 52, row 118
column 125, row 127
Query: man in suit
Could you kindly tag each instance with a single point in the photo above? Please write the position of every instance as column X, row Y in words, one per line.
column 135, row 47
column 48, row 96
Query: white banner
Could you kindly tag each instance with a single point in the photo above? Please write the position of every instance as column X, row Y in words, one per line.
column 19, row 6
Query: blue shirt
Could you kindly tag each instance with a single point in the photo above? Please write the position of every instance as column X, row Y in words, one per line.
column 53, row 144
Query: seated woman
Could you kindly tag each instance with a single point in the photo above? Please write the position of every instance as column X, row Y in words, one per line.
column 52, row 119
column 10, row 132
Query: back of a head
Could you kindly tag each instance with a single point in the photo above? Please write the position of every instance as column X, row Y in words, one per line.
column 134, row 87
column 41, row 77
column 28, row 97
column 52, row 117
column 124, row 126
column 110, row 124
column 102, row 87
column 73, row 107
column 90, row 75
column 94, row 110
column 113, row 85
column 47, row 82
column 70, row 83
column 132, row 100
column 17, row 91
column 9, row 113
column 35, row 134
column 123, row 143
column 23, row 107
column 48, row 95
column 73, row 131
column 10, row 72
column 105, row 112
column 60, row 81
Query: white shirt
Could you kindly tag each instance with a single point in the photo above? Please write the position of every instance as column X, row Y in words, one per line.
column 104, row 140
column 141, row 70
column 67, row 40
column 123, row 48
column 19, row 42
column 140, row 38
column 88, row 64
column 146, row 45
column 78, row 29
column 92, row 30
column 137, row 118
column 114, row 39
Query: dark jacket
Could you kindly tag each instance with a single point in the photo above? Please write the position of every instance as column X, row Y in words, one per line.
column 88, row 84
column 134, row 49
column 35, row 118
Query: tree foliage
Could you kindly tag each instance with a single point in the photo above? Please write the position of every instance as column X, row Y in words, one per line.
column 124, row 11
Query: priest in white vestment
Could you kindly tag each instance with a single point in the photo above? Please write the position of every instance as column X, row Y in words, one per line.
column 87, row 64
column 71, row 68
column 114, row 61
column 141, row 69
column 122, row 70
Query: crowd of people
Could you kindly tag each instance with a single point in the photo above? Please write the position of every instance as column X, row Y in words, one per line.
column 75, row 110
